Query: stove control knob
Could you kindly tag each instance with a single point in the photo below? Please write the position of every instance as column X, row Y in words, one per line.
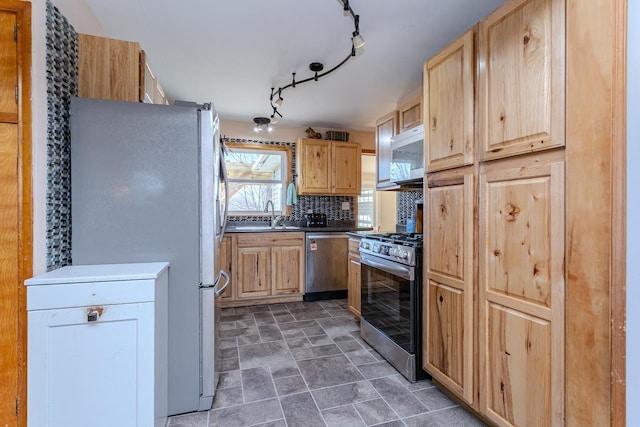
column 393, row 252
column 403, row 254
column 385, row 250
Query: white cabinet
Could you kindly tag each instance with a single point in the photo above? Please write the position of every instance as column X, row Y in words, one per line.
column 97, row 346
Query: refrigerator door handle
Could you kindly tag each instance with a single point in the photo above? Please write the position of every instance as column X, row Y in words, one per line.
column 224, row 179
column 219, row 292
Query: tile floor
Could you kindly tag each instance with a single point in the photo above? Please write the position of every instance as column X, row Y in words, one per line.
column 304, row 364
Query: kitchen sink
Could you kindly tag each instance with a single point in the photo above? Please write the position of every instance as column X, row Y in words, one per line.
column 262, row 228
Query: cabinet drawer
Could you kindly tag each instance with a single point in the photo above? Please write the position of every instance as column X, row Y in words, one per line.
column 92, row 293
column 270, row 239
column 354, row 246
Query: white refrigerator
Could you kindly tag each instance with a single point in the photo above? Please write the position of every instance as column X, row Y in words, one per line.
column 148, row 184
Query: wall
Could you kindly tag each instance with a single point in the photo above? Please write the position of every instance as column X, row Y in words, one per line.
column 633, row 211
column 281, row 132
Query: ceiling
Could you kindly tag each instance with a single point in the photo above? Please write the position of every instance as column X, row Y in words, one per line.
column 232, row 52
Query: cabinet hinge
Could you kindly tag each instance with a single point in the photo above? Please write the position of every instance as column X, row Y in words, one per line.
column 15, row 33
column 16, row 93
column 17, row 405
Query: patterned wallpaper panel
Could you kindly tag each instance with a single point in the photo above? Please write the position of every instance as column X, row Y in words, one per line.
column 62, row 83
column 329, row 205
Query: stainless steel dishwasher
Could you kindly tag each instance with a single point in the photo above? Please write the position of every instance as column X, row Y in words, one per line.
column 326, row 265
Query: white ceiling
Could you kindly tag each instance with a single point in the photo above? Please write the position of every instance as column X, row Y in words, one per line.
column 232, row 52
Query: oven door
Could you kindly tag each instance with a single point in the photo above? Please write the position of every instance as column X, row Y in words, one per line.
column 389, row 299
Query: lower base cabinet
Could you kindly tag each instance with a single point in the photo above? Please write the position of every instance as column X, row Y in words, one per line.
column 265, row 268
column 354, row 293
column 97, row 345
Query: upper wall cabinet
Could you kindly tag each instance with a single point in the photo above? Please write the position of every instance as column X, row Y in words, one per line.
column 386, row 128
column 328, row 167
column 116, row 70
column 151, row 91
column 521, row 78
column 410, row 114
column 448, row 97
column 108, row 68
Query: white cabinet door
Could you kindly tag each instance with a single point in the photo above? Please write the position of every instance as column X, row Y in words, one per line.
column 92, row 373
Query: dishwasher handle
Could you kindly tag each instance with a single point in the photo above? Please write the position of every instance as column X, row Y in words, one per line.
column 327, row 236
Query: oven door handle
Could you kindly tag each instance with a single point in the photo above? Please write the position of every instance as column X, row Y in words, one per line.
column 390, row 267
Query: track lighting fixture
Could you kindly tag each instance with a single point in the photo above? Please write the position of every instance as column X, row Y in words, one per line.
column 357, row 41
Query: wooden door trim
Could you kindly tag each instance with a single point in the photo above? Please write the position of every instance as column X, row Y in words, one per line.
column 22, row 9
column 596, row 212
column 619, row 219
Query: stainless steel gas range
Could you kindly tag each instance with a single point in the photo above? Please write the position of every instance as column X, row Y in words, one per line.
column 391, row 313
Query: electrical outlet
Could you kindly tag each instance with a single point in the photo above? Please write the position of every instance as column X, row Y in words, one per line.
column 345, row 206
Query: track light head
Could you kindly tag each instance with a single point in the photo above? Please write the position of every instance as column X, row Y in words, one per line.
column 358, row 40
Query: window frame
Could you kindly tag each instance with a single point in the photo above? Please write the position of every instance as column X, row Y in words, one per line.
column 286, row 175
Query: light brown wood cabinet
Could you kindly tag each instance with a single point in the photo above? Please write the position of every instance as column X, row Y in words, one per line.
column 448, row 332
column 117, row 70
column 9, row 67
column 353, row 289
column 226, row 263
column 521, row 295
column 521, row 63
column 410, row 114
column 108, row 68
column 151, row 91
column 495, row 253
column 265, row 267
column 386, row 128
column 449, row 105
column 328, row 167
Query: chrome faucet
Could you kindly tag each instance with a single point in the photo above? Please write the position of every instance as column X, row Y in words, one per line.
column 274, row 218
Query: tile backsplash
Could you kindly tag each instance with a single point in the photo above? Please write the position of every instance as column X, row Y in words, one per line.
column 62, row 84
column 406, row 204
column 329, row 205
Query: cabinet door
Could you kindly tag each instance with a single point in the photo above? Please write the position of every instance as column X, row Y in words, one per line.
column 9, row 67
column 410, row 115
column 521, row 63
column 346, row 168
column 521, row 296
column 108, row 68
column 78, row 369
column 226, row 263
column 386, row 128
column 448, row 94
column 253, row 272
column 287, row 270
column 354, row 294
column 449, row 297
column 314, row 166
column 148, row 84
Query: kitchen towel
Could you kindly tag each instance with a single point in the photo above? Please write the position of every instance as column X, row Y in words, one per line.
column 292, row 197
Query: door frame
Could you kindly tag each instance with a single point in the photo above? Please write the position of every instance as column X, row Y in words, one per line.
column 22, row 9
column 595, row 254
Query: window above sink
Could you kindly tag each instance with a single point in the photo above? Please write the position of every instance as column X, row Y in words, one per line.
column 257, row 173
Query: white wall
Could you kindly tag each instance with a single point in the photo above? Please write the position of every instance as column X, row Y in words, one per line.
column 633, row 213
column 39, row 133
column 244, row 130
column 81, row 17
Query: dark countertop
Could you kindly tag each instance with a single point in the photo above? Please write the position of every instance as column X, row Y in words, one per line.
column 264, row 228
